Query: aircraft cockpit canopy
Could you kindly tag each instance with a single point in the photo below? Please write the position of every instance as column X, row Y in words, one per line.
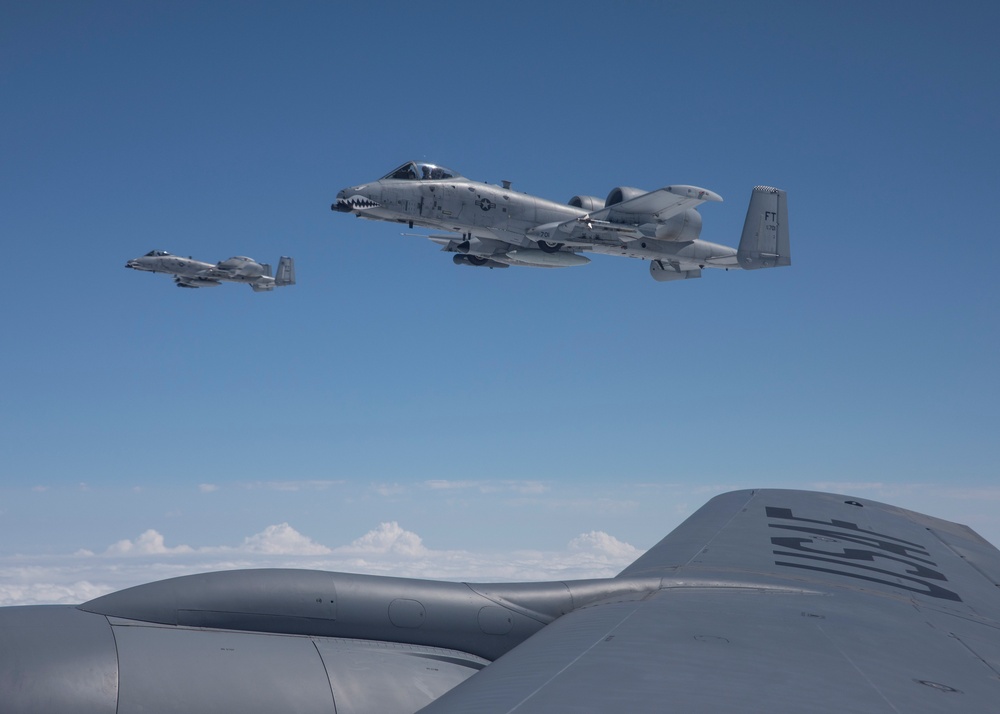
column 419, row 171
column 156, row 254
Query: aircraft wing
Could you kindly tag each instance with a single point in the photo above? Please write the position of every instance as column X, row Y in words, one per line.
column 662, row 203
column 621, row 221
column 773, row 601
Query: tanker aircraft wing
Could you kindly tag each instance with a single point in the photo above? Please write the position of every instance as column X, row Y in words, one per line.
column 773, row 601
column 763, row 601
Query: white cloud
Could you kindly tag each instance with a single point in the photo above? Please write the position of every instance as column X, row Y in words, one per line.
column 602, row 544
column 442, row 484
column 44, row 593
column 149, row 543
column 391, row 549
column 282, row 539
column 207, row 487
column 530, row 487
column 388, row 549
column 387, row 538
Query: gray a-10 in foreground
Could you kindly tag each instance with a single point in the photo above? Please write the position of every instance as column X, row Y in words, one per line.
column 495, row 227
column 191, row 273
column 762, row 601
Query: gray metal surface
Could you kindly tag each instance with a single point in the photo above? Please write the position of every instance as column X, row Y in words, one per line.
column 177, row 670
column 55, row 658
column 485, row 620
column 387, row 678
column 764, row 242
column 774, row 601
column 762, row 601
column 494, row 226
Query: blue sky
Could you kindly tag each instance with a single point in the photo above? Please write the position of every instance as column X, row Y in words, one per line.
column 481, row 412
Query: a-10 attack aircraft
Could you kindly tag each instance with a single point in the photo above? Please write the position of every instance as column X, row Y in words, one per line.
column 763, row 601
column 495, row 227
column 191, row 273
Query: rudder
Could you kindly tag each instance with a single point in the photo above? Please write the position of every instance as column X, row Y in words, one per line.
column 286, row 272
column 765, row 243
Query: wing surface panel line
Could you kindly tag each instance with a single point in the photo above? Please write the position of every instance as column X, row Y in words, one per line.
column 859, row 670
column 967, row 561
column 333, row 694
column 569, row 664
column 720, row 531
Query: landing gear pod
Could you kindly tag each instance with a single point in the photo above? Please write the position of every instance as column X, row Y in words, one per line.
column 662, row 271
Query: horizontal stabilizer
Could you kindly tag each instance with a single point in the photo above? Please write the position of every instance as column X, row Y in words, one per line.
column 765, row 243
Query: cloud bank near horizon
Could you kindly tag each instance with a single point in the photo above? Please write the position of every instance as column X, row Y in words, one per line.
column 391, row 549
column 388, row 549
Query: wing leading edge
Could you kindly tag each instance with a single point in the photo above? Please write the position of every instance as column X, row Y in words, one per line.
column 773, row 601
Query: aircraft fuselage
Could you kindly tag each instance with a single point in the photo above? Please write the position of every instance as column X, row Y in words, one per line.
column 490, row 220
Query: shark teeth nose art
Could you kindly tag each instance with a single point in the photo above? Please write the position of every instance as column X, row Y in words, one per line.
column 355, row 203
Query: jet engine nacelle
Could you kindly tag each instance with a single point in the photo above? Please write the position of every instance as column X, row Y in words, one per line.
column 685, row 226
column 59, row 659
column 587, row 203
column 623, row 193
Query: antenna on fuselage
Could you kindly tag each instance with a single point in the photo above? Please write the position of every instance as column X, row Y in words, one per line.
column 505, row 184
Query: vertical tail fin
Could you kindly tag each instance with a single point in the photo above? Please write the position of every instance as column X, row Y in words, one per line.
column 286, row 272
column 764, row 243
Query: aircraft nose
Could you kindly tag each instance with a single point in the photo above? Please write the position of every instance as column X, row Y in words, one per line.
column 58, row 659
column 343, row 203
column 357, row 198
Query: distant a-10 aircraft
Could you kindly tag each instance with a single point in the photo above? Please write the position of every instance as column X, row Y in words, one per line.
column 191, row 273
column 496, row 227
column 763, row 601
